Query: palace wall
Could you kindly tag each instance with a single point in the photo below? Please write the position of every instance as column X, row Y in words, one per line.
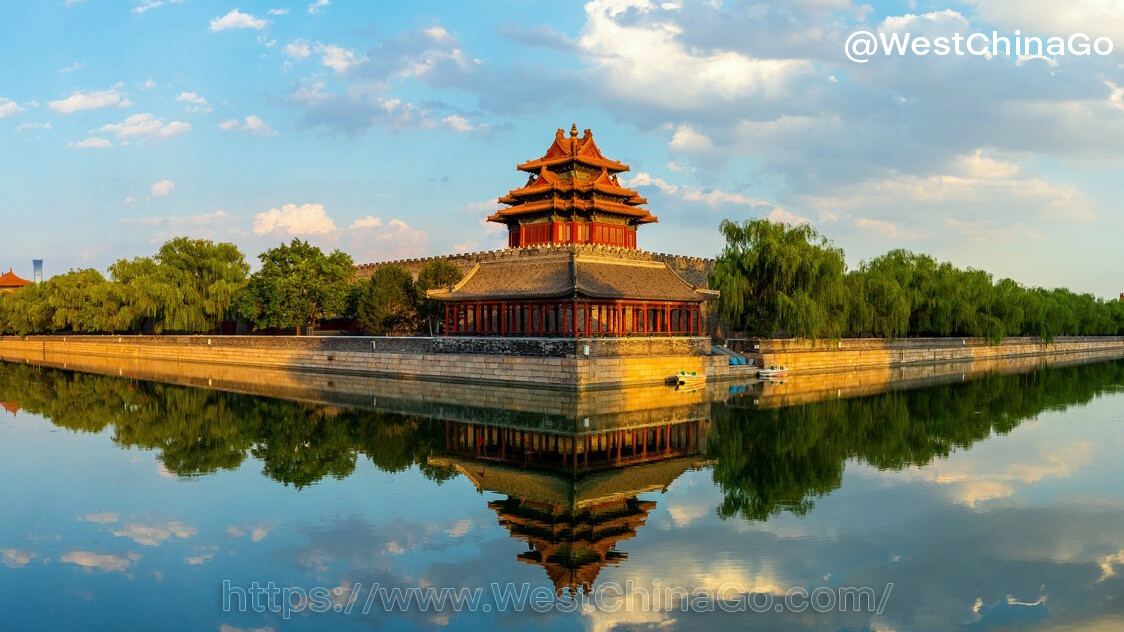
column 695, row 270
column 549, row 363
column 553, row 363
column 852, row 354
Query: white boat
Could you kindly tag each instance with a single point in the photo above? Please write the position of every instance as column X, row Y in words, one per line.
column 773, row 371
column 690, row 379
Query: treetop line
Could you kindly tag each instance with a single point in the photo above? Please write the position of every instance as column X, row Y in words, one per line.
column 572, row 268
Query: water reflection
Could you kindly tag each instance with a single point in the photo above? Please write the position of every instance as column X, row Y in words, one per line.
column 781, row 459
column 572, row 496
column 571, row 486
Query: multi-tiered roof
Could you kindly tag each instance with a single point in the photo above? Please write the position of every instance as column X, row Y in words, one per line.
column 572, row 191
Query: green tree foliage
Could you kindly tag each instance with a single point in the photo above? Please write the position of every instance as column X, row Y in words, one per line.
column 75, row 299
column 437, row 274
column 296, row 286
column 187, row 286
column 388, row 303
column 25, row 312
column 778, row 278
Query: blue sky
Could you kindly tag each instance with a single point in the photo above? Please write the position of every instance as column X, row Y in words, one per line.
column 388, row 129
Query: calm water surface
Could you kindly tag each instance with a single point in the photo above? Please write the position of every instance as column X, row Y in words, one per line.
column 996, row 503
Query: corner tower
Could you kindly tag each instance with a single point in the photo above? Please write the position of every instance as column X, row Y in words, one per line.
column 572, row 196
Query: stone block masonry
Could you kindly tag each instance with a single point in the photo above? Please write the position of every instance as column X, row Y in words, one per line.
column 550, row 363
column 804, row 356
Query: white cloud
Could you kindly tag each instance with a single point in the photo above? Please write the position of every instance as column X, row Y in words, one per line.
column 1108, row 565
column 194, row 102
column 884, row 229
column 252, row 124
column 459, row 123
column 710, row 197
column 785, row 217
column 374, row 240
column 93, row 142
column 162, row 188
column 80, row 101
column 203, row 558
column 145, row 126
column 255, row 125
column 23, row 127
column 369, row 221
column 155, row 534
column 201, row 219
column 317, row 6
column 338, row 58
column 148, row 84
column 100, row 561
column 1047, row 17
column 100, row 518
column 238, row 20
column 16, row 558
column 71, row 68
column 686, row 139
column 1116, row 95
column 638, row 49
column 295, row 221
column 146, row 5
column 9, row 107
column 298, row 49
column 972, row 481
column 278, row 11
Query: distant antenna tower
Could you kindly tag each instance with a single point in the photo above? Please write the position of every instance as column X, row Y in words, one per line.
column 37, row 267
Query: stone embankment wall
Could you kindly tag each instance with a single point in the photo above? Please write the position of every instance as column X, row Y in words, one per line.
column 543, row 362
column 804, row 356
column 554, row 363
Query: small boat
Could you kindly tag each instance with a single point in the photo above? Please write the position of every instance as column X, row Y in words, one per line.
column 772, row 372
column 690, row 379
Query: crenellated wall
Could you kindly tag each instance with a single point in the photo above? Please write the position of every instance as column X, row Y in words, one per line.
column 695, row 270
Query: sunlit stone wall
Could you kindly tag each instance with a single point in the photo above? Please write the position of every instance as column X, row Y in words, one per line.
column 559, row 364
column 804, row 356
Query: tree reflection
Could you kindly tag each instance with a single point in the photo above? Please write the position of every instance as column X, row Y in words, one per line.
column 200, row 431
column 767, row 461
column 777, row 460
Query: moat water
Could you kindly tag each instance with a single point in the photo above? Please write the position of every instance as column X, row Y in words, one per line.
column 988, row 503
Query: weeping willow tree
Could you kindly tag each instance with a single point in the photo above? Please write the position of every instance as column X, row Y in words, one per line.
column 776, row 278
column 188, row 285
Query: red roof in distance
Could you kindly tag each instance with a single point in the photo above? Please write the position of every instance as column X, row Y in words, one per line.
column 9, row 279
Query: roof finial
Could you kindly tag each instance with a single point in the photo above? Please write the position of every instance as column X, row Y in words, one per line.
column 574, row 131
